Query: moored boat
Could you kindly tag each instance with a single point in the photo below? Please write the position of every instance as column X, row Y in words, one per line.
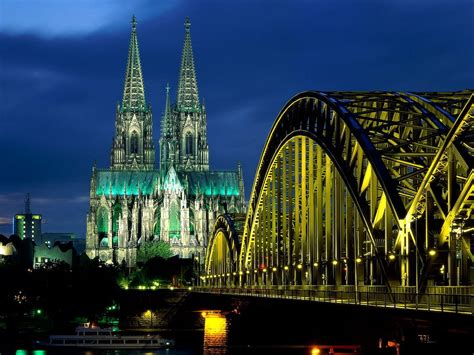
column 91, row 336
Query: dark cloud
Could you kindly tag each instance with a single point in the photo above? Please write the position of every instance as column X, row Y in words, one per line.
column 59, row 92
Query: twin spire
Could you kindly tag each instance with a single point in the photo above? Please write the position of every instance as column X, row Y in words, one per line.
column 188, row 96
column 134, row 89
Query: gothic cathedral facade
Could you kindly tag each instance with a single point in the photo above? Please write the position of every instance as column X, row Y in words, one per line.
column 132, row 202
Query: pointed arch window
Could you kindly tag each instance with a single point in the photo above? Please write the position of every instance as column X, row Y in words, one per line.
column 189, row 144
column 134, row 143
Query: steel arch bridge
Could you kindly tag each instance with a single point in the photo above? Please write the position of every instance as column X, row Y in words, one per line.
column 370, row 188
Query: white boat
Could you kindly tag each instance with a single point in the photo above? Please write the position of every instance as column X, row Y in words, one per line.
column 91, row 336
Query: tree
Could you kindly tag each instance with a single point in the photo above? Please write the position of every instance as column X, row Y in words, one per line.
column 148, row 250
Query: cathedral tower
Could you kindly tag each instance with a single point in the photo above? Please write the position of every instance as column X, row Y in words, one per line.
column 133, row 147
column 185, row 130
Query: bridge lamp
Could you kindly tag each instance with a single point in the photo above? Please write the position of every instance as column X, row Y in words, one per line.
column 241, row 273
column 315, row 351
column 274, row 269
column 247, row 272
column 432, row 252
column 358, row 260
column 315, row 264
column 286, row 268
column 299, row 266
column 228, row 274
column 264, row 270
column 391, row 256
column 334, row 262
column 255, row 271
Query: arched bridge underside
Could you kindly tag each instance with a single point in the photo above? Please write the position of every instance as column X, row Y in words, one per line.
column 357, row 188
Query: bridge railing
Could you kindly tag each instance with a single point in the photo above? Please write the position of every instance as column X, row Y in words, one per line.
column 440, row 299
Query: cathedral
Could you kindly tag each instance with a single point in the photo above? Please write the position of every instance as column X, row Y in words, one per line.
column 133, row 202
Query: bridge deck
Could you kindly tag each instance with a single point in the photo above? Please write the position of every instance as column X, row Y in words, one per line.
column 431, row 302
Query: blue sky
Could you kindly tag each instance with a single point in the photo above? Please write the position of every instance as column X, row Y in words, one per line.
column 62, row 67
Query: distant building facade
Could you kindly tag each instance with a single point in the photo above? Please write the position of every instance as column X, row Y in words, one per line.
column 52, row 238
column 59, row 252
column 132, row 202
column 27, row 225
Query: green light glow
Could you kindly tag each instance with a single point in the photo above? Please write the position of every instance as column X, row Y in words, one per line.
column 209, row 183
column 175, row 220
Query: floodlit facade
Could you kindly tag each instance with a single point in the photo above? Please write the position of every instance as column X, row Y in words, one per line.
column 132, row 202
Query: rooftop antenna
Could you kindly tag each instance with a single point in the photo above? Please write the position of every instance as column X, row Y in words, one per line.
column 27, row 203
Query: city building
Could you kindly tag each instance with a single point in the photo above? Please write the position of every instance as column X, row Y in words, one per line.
column 52, row 238
column 27, row 225
column 132, row 202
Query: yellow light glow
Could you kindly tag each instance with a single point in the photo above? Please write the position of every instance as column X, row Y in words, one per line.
column 241, row 273
column 432, row 252
column 286, row 268
column 358, row 260
column 215, row 330
column 255, row 271
column 264, row 270
column 299, row 266
column 248, row 272
column 274, row 269
column 203, row 314
column 315, row 264
column 234, row 273
column 391, row 256
column 334, row 262
column 315, row 351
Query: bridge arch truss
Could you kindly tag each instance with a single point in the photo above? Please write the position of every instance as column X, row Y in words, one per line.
column 351, row 187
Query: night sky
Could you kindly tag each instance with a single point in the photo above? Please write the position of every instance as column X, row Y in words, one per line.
column 62, row 67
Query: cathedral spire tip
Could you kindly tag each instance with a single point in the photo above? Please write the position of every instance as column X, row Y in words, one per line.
column 188, row 97
column 134, row 90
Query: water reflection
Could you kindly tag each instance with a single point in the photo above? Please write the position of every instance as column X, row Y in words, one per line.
column 216, row 329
